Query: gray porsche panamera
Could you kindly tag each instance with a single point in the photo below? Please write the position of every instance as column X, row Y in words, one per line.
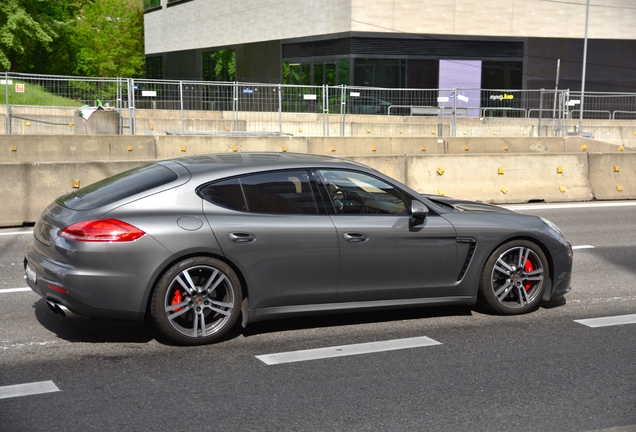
column 197, row 242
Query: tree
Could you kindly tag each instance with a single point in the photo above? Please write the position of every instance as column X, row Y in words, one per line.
column 108, row 35
column 23, row 24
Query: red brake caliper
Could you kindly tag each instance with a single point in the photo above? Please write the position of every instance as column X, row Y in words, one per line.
column 178, row 299
column 528, row 267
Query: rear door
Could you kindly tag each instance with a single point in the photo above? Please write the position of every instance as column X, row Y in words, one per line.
column 274, row 228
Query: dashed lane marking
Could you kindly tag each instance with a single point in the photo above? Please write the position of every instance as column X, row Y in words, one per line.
column 346, row 350
column 11, row 290
column 582, row 247
column 608, row 321
column 28, row 389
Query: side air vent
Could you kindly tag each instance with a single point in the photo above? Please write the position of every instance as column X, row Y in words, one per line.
column 470, row 251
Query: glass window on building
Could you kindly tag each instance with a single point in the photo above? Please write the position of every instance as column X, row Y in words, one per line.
column 371, row 72
column 219, row 65
column 151, row 4
column 154, row 67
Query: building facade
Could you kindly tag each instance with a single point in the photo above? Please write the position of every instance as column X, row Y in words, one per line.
column 490, row 44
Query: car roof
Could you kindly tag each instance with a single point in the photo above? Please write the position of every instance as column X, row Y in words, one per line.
column 240, row 162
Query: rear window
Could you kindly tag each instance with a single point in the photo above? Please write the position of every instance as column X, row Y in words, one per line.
column 118, row 187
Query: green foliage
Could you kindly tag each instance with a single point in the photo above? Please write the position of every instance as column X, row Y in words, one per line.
column 72, row 37
column 23, row 25
column 109, row 37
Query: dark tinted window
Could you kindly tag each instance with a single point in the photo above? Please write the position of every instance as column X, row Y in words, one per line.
column 279, row 192
column 272, row 192
column 118, row 187
column 225, row 193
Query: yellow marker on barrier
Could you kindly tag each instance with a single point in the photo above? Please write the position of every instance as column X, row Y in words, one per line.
column 374, row 148
column 183, row 148
column 333, row 148
column 440, row 192
column 562, row 189
column 14, row 148
column 235, row 149
column 71, row 124
column 465, row 148
column 494, row 132
column 28, row 123
column 621, row 148
column 152, row 127
column 401, row 131
column 559, row 170
column 75, row 184
column 500, row 171
column 619, row 188
column 440, row 170
column 617, row 168
column 368, row 130
column 584, row 147
column 433, row 132
column 423, row 148
column 227, row 129
column 506, row 148
column 284, row 149
column 504, row 190
column 130, row 148
column 300, row 129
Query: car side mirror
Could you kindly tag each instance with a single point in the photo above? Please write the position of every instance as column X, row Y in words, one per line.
column 418, row 212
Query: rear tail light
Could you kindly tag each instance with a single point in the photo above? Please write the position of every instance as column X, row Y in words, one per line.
column 102, row 230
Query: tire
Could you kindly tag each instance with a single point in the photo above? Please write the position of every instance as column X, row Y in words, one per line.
column 514, row 278
column 197, row 301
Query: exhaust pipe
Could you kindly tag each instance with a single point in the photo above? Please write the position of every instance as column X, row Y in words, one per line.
column 60, row 309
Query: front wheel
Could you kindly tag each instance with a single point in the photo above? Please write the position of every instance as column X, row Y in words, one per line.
column 514, row 278
column 197, row 301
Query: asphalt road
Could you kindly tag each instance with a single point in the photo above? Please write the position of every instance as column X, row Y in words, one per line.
column 538, row 372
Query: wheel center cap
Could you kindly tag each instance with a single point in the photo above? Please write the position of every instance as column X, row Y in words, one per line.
column 198, row 300
column 516, row 277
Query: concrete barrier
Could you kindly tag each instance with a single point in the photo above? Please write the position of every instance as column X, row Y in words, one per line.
column 613, row 176
column 29, row 187
column 69, row 148
column 37, row 169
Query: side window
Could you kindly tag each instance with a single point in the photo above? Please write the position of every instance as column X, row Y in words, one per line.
column 272, row 192
column 226, row 193
column 279, row 192
column 353, row 192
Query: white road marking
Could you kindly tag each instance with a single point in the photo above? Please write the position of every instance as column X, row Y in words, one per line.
column 28, row 389
column 15, row 233
column 608, row 321
column 557, row 206
column 583, row 247
column 346, row 350
column 10, row 290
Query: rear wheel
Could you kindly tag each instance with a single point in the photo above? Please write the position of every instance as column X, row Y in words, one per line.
column 514, row 278
column 197, row 301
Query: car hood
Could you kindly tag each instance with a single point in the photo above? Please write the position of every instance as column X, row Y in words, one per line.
column 466, row 206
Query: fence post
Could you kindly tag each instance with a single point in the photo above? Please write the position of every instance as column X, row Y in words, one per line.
column 280, row 109
column 454, row 123
column 343, row 109
column 131, row 105
column 6, row 84
column 181, row 105
column 540, row 111
column 235, row 107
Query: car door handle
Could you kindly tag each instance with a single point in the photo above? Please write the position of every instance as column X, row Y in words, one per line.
column 353, row 237
column 242, row 237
